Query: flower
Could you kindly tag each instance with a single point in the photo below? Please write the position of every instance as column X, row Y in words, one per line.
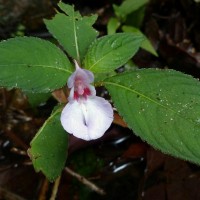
column 86, row 116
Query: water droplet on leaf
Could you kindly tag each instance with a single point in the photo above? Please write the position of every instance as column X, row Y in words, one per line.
column 116, row 44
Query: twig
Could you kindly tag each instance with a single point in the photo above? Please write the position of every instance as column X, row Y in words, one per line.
column 7, row 195
column 15, row 139
column 119, row 121
column 18, row 151
column 55, row 189
column 44, row 190
column 85, row 181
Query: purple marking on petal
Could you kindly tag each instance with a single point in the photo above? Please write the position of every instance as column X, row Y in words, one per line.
column 89, row 74
column 83, row 75
column 80, row 81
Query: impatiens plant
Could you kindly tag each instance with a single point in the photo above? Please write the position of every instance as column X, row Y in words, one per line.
column 160, row 106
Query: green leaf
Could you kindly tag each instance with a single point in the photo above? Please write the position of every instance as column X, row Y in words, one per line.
column 146, row 44
column 128, row 6
column 136, row 18
column 113, row 25
column 49, row 147
column 33, row 65
column 37, row 98
column 162, row 107
column 74, row 33
column 112, row 51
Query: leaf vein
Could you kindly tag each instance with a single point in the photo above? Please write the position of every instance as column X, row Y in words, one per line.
column 43, row 66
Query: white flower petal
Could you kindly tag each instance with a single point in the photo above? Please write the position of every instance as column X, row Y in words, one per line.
column 92, row 90
column 88, row 119
column 73, row 121
column 71, row 95
column 99, row 116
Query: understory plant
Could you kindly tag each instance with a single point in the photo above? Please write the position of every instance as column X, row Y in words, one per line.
column 160, row 106
column 128, row 17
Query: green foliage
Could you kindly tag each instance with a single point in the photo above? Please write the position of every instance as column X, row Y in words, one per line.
column 112, row 51
column 134, row 9
column 162, row 107
column 113, row 25
column 32, row 64
column 35, row 99
column 49, row 147
column 85, row 162
column 127, row 7
column 74, row 32
column 20, row 31
column 146, row 44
